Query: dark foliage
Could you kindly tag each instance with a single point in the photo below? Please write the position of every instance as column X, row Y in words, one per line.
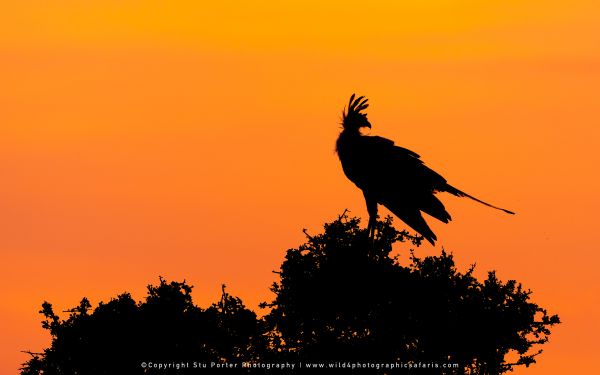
column 341, row 297
column 166, row 328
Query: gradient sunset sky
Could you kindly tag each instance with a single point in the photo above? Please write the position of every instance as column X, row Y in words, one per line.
column 195, row 141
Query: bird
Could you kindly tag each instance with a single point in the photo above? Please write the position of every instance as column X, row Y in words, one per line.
column 392, row 176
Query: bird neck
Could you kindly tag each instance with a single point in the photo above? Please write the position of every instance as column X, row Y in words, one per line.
column 351, row 132
column 347, row 140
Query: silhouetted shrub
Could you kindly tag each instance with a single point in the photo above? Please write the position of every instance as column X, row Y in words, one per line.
column 342, row 297
column 167, row 328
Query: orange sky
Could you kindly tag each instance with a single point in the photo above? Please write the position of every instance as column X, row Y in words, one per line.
column 136, row 135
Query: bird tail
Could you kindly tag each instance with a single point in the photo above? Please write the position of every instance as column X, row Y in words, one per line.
column 459, row 193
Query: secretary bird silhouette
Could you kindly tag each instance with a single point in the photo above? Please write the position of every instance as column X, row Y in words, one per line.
column 392, row 175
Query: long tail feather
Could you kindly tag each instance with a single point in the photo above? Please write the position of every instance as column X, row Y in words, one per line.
column 459, row 193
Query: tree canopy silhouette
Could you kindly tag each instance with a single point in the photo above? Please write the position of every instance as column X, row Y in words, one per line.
column 391, row 175
column 118, row 336
column 341, row 297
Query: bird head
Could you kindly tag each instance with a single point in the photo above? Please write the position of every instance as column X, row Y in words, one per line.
column 353, row 118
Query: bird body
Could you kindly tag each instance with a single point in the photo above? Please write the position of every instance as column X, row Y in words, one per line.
column 391, row 175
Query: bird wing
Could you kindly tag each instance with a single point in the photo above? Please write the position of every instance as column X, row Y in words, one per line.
column 390, row 169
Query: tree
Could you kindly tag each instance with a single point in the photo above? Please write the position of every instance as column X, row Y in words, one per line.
column 343, row 297
column 118, row 336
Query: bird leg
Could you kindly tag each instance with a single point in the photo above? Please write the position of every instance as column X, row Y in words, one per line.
column 371, row 226
column 372, row 209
